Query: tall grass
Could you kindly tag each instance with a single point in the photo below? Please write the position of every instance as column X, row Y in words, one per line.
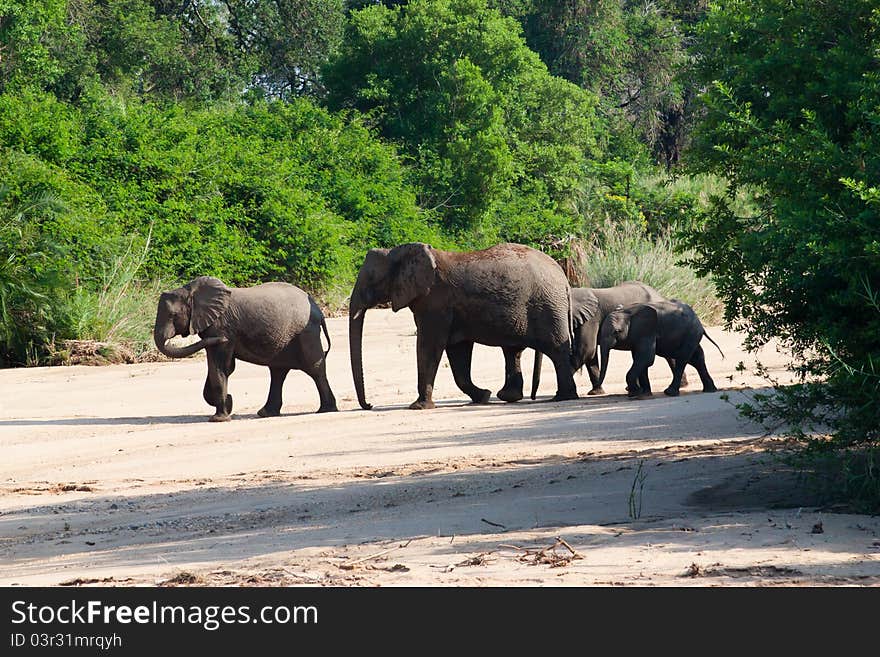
column 121, row 307
column 624, row 252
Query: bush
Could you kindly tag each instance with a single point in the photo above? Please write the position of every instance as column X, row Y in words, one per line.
column 626, row 252
column 790, row 113
column 34, row 275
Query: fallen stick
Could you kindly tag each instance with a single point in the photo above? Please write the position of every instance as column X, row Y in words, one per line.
column 351, row 564
column 494, row 524
column 565, row 543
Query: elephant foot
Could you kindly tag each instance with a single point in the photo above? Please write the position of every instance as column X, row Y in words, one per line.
column 421, row 405
column 269, row 412
column 228, row 404
column 565, row 396
column 672, row 392
column 509, row 394
column 220, row 417
column 328, row 408
column 481, row 396
column 597, row 391
column 711, row 388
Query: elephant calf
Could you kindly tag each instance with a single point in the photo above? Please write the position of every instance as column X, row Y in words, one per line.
column 274, row 324
column 589, row 307
column 670, row 329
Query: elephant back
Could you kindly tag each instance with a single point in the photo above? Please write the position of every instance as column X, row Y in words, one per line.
column 272, row 309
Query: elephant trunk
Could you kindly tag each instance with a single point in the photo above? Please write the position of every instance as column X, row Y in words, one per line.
column 536, row 373
column 356, row 313
column 605, row 349
column 161, row 338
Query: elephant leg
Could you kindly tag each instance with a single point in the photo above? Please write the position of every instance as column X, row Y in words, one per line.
column 565, row 385
column 698, row 360
column 644, row 384
column 684, row 378
column 593, row 372
column 637, row 382
column 272, row 407
column 311, row 359
column 459, row 356
column 430, row 343
column 632, row 380
column 590, row 354
column 325, row 394
column 513, row 379
column 221, row 363
column 677, row 372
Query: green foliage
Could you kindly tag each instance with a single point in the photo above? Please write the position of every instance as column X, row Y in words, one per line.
column 33, row 276
column 791, row 109
column 284, row 43
column 631, row 54
column 280, row 191
column 29, row 33
column 475, row 110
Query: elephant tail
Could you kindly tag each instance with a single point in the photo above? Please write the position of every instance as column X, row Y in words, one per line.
column 326, row 334
column 536, row 373
column 713, row 342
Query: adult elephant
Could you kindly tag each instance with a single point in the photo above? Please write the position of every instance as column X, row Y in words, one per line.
column 509, row 295
column 590, row 307
column 274, row 324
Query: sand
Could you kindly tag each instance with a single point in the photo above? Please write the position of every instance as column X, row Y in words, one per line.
column 113, row 476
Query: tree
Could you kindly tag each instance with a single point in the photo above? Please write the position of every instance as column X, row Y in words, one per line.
column 790, row 116
column 285, row 42
column 484, row 122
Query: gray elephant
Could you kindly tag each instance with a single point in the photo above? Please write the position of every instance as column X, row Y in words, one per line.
column 590, row 306
column 670, row 329
column 273, row 324
column 509, row 295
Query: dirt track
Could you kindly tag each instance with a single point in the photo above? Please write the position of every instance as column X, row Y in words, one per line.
column 114, row 475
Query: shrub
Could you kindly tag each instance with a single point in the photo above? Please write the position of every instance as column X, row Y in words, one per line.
column 625, row 252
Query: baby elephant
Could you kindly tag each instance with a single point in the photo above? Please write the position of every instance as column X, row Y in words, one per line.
column 669, row 329
column 273, row 324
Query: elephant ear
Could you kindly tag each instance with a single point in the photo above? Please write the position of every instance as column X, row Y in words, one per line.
column 209, row 299
column 643, row 321
column 413, row 267
column 584, row 306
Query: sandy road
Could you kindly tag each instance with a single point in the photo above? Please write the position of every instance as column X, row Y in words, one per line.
column 114, row 475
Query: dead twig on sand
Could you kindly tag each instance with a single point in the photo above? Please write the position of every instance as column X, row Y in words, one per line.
column 494, row 524
column 547, row 555
column 351, row 564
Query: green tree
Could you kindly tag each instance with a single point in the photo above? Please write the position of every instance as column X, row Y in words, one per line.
column 791, row 112
column 489, row 130
column 285, row 42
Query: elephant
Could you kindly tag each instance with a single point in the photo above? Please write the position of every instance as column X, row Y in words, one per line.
column 591, row 305
column 670, row 329
column 274, row 324
column 509, row 295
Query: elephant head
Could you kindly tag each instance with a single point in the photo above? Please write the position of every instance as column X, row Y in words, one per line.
column 623, row 328
column 400, row 276
column 187, row 310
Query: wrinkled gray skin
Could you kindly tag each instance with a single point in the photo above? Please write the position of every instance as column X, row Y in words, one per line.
column 591, row 305
column 669, row 329
column 509, row 295
column 274, row 324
